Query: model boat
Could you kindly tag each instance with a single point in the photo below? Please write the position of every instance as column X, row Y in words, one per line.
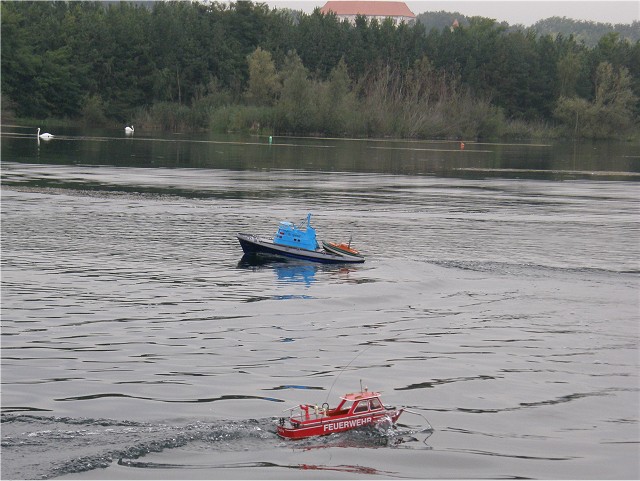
column 299, row 242
column 355, row 410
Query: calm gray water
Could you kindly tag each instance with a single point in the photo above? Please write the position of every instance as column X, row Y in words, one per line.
column 499, row 300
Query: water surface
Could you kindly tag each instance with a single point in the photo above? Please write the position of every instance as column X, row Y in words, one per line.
column 499, row 300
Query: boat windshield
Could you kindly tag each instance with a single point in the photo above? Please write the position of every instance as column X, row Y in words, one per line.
column 362, row 406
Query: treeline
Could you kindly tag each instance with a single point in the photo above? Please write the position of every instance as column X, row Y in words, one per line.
column 182, row 65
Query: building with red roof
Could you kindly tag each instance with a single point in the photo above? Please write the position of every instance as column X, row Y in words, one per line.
column 349, row 10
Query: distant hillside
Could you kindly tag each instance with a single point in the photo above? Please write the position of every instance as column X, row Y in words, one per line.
column 587, row 32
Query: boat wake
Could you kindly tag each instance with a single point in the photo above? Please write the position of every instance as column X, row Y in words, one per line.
column 382, row 434
column 405, row 436
column 42, row 447
column 45, row 447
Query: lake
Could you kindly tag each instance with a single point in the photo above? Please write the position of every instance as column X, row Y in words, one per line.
column 499, row 301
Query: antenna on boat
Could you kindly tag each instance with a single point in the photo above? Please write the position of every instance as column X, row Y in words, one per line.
column 344, row 368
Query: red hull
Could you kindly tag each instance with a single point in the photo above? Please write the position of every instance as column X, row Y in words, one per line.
column 334, row 424
column 356, row 410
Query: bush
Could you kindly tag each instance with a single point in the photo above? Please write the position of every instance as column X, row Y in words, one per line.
column 520, row 129
column 8, row 107
column 240, row 118
column 170, row 116
column 92, row 111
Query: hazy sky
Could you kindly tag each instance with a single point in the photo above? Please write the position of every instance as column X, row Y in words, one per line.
column 525, row 12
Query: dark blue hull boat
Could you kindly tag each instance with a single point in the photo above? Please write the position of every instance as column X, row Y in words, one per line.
column 297, row 242
column 252, row 244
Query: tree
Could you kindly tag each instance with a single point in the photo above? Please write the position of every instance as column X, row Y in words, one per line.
column 18, row 58
column 360, row 56
column 320, row 42
column 264, row 83
column 295, row 106
column 568, row 71
column 614, row 100
column 335, row 101
column 611, row 112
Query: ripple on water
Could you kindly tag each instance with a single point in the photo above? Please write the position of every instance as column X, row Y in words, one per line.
column 503, row 311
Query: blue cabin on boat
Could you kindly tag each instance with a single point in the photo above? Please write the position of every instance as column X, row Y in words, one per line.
column 290, row 235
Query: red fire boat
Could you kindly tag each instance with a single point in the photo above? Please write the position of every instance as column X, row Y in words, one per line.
column 354, row 411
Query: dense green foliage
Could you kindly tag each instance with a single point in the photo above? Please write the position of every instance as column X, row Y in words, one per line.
column 182, row 65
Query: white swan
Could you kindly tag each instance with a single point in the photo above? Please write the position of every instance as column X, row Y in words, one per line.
column 128, row 130
column 45, row 136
